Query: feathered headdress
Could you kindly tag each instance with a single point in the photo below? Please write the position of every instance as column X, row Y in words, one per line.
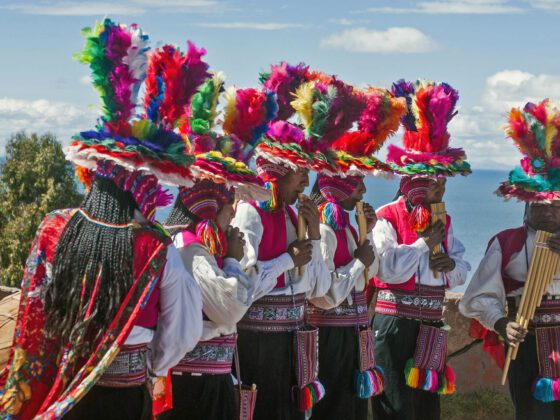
column 284, row 79
column 327, row 109
column 117, row 57
column 536, row 131
column 223, row 158
column 430, row 107
column 379, row 120
column 173, row 78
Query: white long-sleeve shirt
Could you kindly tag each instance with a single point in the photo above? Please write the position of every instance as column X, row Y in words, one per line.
column 485, row 297
column 316, row 279
column 399, row 262
column 179, row 324
column 348, row 277
column 226, row 293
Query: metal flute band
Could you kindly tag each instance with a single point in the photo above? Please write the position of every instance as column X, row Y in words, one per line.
column 253, row 299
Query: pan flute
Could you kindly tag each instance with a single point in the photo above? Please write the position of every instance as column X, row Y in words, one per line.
column 437, row 212
column 301, row 231
column 362, row 231
column 544, row 266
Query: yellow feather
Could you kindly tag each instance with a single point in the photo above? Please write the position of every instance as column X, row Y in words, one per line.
column 218, row 79
column 550, row 129
column 230, row 111
column 303, row 103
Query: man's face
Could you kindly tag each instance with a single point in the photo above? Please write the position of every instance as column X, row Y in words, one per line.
column 293, row 184
column 436, row 190
column 357, row 195
column 541, row 216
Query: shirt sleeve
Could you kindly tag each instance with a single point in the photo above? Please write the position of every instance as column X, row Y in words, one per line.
column 397, row 263
column 343, row 279
column 226, row 294
column 485, row 297
column 249, row 222
column 180, row 316
column 456, row 250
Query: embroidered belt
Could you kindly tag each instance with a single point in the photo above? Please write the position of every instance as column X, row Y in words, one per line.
column 274, row 314
column 344, row 315
column 546, row 315
column 424, row 303
column 129, row 368
column 212, row 357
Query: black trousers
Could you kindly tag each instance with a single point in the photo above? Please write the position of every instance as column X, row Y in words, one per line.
column 338, row 361
column 522, row 374
column 395, row 342
column 113, row 404
column 265, row 359
column 206, row 397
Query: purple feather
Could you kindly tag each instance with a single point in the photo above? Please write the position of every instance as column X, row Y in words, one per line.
column 403, row 89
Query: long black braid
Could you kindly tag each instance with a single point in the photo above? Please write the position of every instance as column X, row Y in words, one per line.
column 316, row 195
column 85, row 251
column 180, row 217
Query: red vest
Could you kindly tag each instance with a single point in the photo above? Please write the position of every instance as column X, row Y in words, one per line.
column 511, row 242
column 190, row 238
column 342, row 254
column 398, row 216
column 274, row 240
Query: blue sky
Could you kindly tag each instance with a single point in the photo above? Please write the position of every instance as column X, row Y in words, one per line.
column 497, row 53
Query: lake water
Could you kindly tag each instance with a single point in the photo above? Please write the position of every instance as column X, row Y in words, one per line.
column 476, row 212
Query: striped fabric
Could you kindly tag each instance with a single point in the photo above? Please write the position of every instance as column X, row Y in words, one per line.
column 431, row 347
column 344, row 315
column 274, row 314
column 548, row 351
column 129, row 368
column 425, row 303
column 212, row 357
column 367, row 354
column 306, row 343
column 546, row 315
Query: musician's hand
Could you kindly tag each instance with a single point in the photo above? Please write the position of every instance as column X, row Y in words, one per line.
column 442, row 263
column 365, row 253
column 554, row 243
column 158, row 387
column 434, row 234
column 371, row 217
column 511, row 331
column 301, row 252
column 236, row 243
column 308, row 210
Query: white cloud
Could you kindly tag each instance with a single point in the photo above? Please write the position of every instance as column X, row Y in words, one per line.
column 393, row 40
column 455, row 7
column 74, row 9
column 259, row 26
column 61, row 118
column 550, row 5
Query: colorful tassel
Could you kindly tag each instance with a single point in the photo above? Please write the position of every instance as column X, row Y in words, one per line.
column 419, row 218
column 429, row 380
column 369, row 383
column 274, row 202
column 213, row 237
column 309, row 395
column 334, row 215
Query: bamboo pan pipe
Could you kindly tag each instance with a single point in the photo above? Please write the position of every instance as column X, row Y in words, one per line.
column 437, row 212
column 362, row 230
column 544, row 266
column 301, row 231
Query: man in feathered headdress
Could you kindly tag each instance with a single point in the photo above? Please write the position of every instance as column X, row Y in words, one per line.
column 493, row 295
column 413, row 276
column 273, row 340
column 103, row 281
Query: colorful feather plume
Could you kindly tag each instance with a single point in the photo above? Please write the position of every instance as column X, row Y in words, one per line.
column 284, row 79
column 116, row 55
column 536, row 132
column 202, row 112
column 173, row 78
column 430, row 108
column 248, row 112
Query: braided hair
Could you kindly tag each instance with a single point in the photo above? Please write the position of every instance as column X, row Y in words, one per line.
column 85, row 252
column 180, row 218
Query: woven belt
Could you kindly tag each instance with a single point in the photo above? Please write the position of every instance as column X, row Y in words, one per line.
column 425, row 303
column 129, row 368
column 274, row 314
column 546, row 315
column 344, row 315
column 212, row 357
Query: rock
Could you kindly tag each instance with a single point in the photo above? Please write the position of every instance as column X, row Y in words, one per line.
column 458, row 337
column 9, row 306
